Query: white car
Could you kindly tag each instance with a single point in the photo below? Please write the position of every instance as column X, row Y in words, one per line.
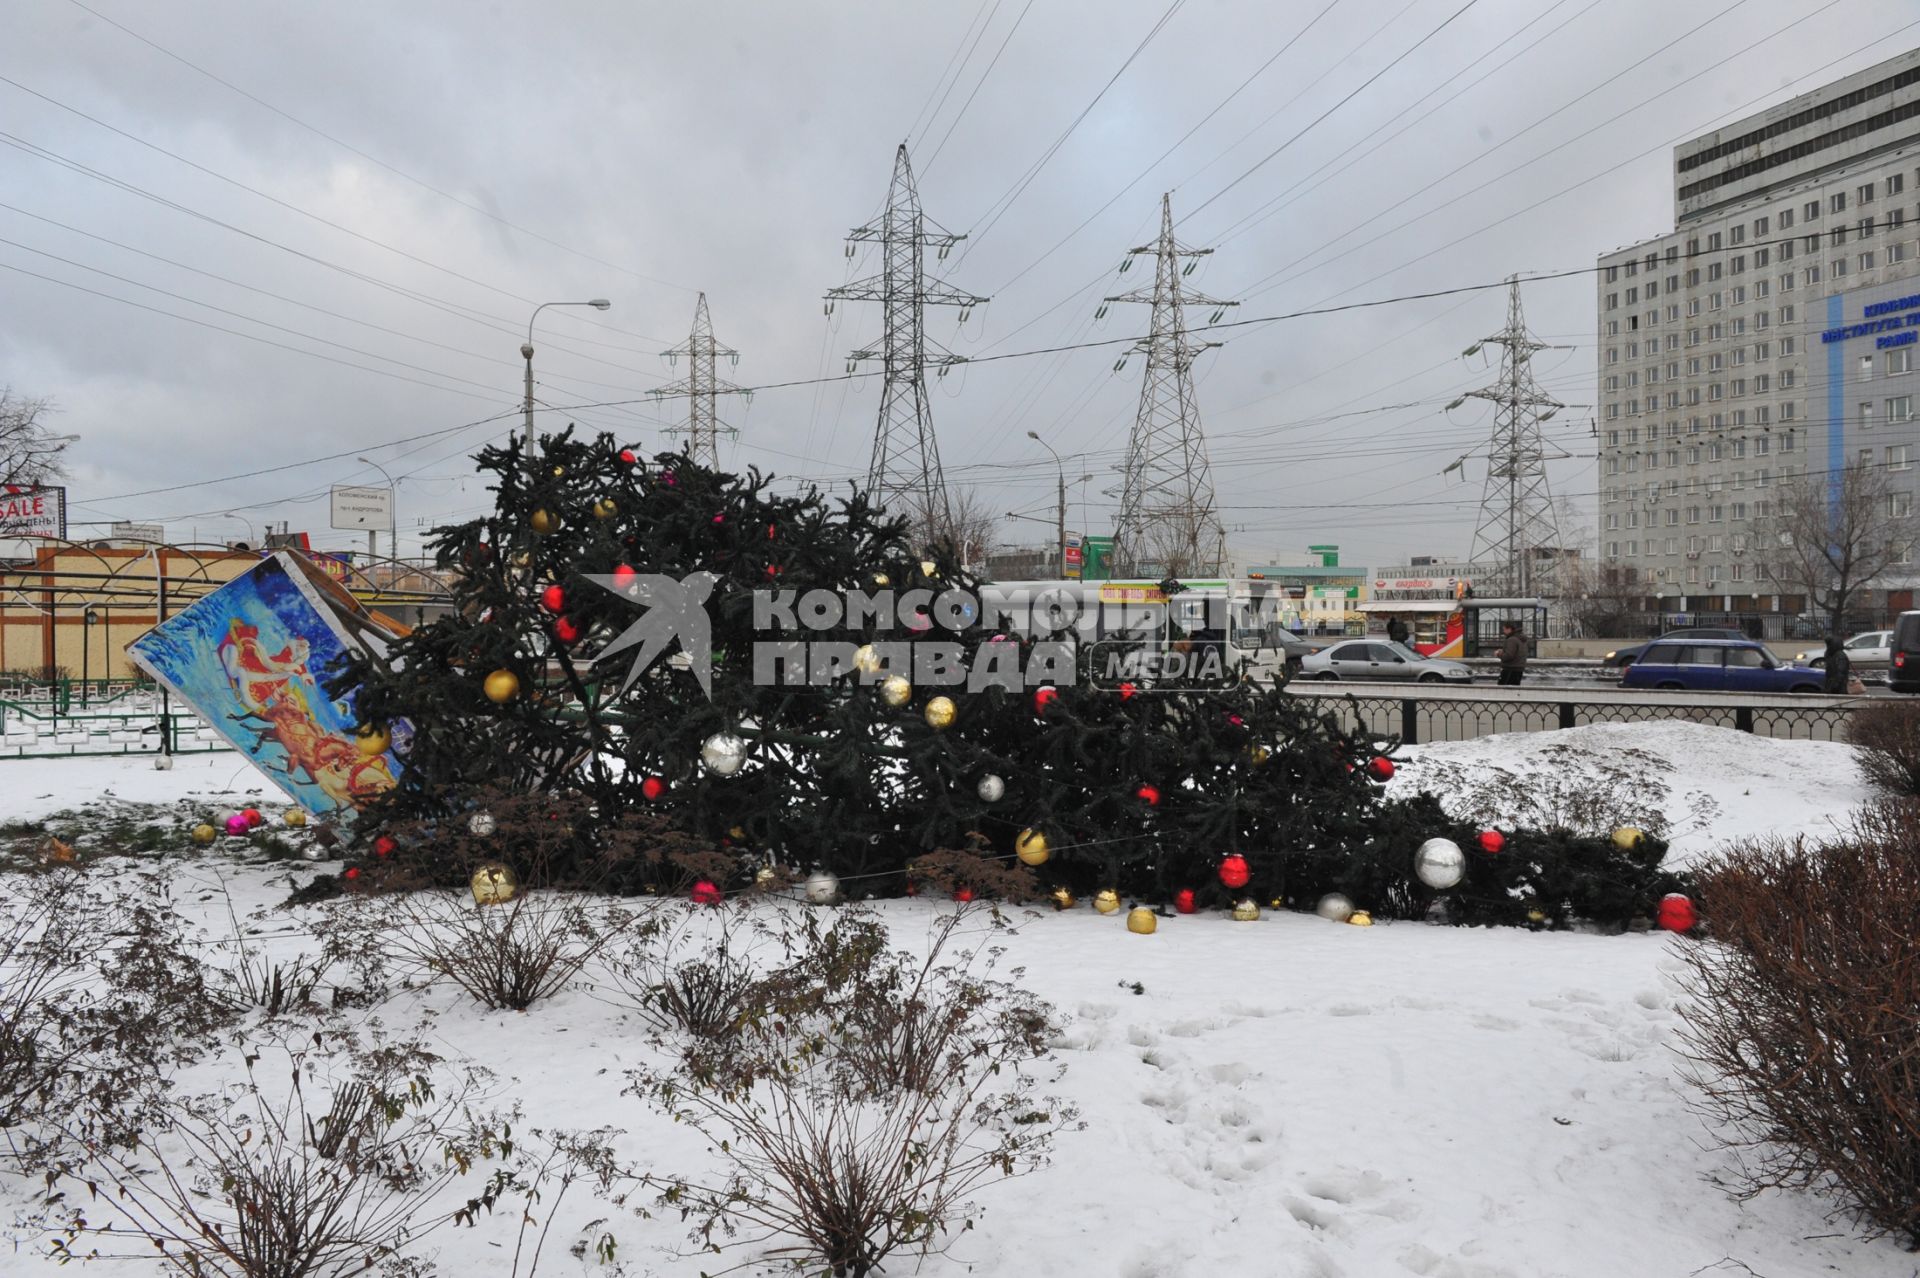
column 1873, row 648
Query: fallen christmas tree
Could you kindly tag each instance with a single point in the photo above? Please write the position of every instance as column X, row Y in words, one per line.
column 811, row 729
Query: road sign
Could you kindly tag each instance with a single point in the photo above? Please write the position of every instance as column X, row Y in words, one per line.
column 370, row 508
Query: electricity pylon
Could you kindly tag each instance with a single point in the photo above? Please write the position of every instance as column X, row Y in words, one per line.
column 1168, row 522
column 904, row 473
column 1516, row 507
column 700, row 388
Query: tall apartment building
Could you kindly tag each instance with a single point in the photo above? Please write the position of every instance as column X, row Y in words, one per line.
column 1771, row 334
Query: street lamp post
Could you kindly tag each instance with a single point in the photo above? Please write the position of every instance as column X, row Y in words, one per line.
column 1061, row 546
column 393, row 511
column 526, row 353
column 86, row 651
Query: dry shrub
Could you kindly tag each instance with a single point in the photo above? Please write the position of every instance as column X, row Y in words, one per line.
column 1888, row 736
column 692, row 969
column 870, row 1094
column 947, row 871
column 311, row 1168
column 1805, row 1014
column 507, row 955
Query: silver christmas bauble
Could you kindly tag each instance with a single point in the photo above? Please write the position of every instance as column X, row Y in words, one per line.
column 991, row 788
column 1439, row 863
column 822, row 888
column 482, row 825
column 724, row 753
column 1334, row 906
column 163, row 763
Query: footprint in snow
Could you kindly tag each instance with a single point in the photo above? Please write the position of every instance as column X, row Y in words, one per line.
column 1349, row 1009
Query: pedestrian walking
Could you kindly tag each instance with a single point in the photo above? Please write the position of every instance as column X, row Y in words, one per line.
column 1838, row 667
column 1513, row 655
column 1396, row 630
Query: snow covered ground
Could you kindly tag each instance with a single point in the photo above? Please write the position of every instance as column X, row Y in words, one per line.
column 1285, row 1097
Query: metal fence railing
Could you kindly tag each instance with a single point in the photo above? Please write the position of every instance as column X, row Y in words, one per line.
column 134, row 723
column 1461, row 714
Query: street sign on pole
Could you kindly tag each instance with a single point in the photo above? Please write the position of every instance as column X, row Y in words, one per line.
column 1073, row 558
column 358, row 508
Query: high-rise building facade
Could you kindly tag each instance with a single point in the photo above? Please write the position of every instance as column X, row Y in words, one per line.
column 1770, row 335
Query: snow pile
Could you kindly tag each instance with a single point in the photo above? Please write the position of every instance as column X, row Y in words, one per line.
column 1752, row 785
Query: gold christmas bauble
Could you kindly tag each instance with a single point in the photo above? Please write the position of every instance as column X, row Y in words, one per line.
column 1536, row 916
column 1628, row 837
column 502, row 686
column 372, row 739
column 1107, row 901
column 295, row 817
column 494, row 884
column 545, row 522
column 204, row 833
column 1259, row 754
column 881, row 579
column 866, row 659
column 1031, row 847
column 941, row 712
column 1246, row 911
column 56, row 850
column 1062, row 899
column 1361, row 919
column 1140, row 920
column 559, row 471
column 737, row 832
column 896, row 691
column 928, row 568
column 765, row 877
column 605, row 508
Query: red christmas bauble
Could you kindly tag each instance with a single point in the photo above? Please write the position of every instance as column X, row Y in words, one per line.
column 773, row 530
column 1127, row 690
column 963, row 894
column 706, row 892
column 1149, row 795
column 653, row 788
column 1677, row 913
column 1492, row 842
column 628, row 457
column 1183, row 901
column 1380, row 768
column 1044, row 697
column 624, row 576
column 1234, row 872
column 384, row 846
column 353, row 873
column 253, row 816
column 553, row 599
column 565, row 630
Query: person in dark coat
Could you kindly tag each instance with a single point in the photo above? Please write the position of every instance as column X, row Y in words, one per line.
column 1396, row 630
column 1513, row 655
column 1838, row 667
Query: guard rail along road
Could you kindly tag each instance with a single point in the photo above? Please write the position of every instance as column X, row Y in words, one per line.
column 1438, row 713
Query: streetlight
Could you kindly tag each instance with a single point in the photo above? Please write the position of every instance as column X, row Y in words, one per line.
column 86, row 651
column 526, row 352
column 393, row 500
column 1060, row 467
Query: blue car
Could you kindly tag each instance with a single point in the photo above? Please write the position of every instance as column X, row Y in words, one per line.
column 1717, row 665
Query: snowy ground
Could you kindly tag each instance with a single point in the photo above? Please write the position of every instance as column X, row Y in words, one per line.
column 1286, row 1097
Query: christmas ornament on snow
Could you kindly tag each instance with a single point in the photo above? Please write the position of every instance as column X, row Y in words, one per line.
column 766, row 877
column 1677, row 913
column 493, row 884
column 237, row 825
column 255, row 818
column 963, row 894
column 723, row 753
column 1031, row 847
column 204, row 833
column 1062, row 899
column 1628, row 837
column 1233, row 871
column 991, row 789
column 1492, row 842
column 1361, row 919
column 821, row 888
column 1380, row 768
column 482, row 825
column 502, row 686
column 1106, row 901
column 1439, row 863
column 705, row 892
column 163, row 763
column 941, row 712
column 1183, row 901
column 295, row 817
column 1334, row 906
column 1246, row 910
column 896, row 691
column 1141, row 921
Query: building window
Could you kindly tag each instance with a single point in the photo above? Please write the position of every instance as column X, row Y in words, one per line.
column 1899, row 505
column 1866, row 415
column 1897, row 457
column 1786, row 219
column 1811, row 211
column 1900, row 408
column 1866, row 366
column 1787, row 345
column 1901, row 360
column 1866, row 261
column 1896, row 183
column 1864, row 228
column 1896, row 253
column 1864, row 194
column 1837, row 202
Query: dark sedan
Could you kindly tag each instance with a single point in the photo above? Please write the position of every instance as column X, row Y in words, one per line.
column 1716, row 665
column 1626, row 656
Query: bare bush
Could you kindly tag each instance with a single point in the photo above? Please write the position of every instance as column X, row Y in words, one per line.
column 1804, row 1011
column 695, row 970
column 1888, row 736
column 507, row 955
column 853, row 1117
column 317, row 1168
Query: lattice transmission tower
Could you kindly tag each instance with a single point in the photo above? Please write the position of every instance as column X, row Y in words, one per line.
column 701, row 387
column 904, row 473
column 1516, row 508
column 1168, row 522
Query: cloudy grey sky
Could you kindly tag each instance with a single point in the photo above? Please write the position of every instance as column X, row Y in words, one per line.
column 335, row 252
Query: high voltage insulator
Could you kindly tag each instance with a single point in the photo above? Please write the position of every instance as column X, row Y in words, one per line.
column 1168, row 524
column 904, row 473
column 700, row 388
